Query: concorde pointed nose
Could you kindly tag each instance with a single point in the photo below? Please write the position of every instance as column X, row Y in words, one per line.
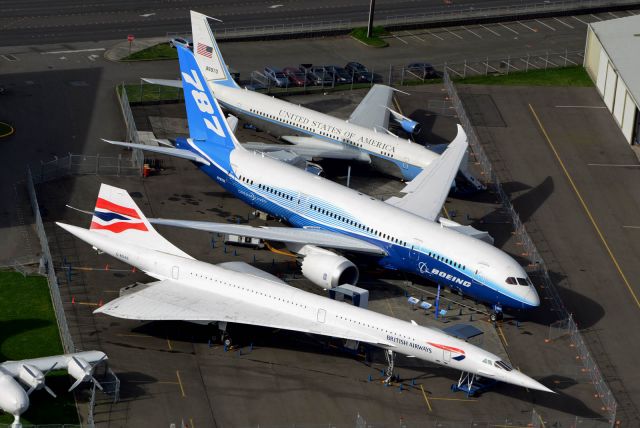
column 525, row 381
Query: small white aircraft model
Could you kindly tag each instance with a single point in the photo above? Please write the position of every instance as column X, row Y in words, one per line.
column 32, row 373
column 190, row 290
column 364, row 137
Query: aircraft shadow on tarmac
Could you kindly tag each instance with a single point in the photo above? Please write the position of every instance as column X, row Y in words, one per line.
column 427, row 120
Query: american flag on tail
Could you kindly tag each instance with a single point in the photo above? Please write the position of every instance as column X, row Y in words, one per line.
column 204, row 50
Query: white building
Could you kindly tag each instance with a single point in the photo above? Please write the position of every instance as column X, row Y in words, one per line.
column 612, row 59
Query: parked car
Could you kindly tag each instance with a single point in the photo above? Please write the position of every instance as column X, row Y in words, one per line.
column 297, row 76
column 423, row 70
column 340, row 75
column 321, row 76
column 276, row 77
column 180, row 41
column 359, row 72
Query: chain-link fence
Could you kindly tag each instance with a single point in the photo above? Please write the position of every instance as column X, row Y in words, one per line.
column 537, row 264
column 137, row 157
column 54, row 290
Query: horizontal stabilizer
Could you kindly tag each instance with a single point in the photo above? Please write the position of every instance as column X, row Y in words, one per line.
column 170, row 151
column 164, row 82
column 310, row 148
column 320, row 238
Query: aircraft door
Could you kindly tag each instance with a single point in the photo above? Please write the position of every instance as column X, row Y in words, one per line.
column 175, row 272
column 446, row 356
column 414, row 254
column 302, row 202
column 480, row 271
column 322, row 315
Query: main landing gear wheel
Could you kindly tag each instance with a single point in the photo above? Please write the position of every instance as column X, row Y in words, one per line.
column 389, row 370
column 496, row 313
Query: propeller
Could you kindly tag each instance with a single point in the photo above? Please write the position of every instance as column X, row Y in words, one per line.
column 83, row 371
column 35, row 379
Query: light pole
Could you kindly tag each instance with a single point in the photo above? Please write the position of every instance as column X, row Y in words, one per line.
column 372, row 6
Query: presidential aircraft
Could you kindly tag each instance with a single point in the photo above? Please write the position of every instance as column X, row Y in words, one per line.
column 400, row 233
column 16, row 376
column 365, row 136
column 190, row 290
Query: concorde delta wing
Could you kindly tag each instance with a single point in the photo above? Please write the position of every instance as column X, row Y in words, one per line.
column 373, row 110
column 318, row 237
column 425, row 194
column 169, row 300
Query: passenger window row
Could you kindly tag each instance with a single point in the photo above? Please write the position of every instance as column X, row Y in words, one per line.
column 276, row 192
column 356, row 224
column 373, row 326
column 446, row 260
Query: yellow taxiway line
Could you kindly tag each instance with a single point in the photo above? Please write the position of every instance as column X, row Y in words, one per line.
column 584, row 206
column 180, row 383
column 424, row 394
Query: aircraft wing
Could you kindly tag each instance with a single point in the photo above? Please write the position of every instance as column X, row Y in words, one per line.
column 310, row 148
column 318, row 237
column 45, row 363
column 164, row 82
column 373, row 110
column 171, row 151
column 426, row 193
column 169, row 300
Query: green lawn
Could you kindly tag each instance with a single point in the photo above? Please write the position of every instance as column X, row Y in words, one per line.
column 566, row 76
column 160, row 51
column 148, row 92
column 28, row 329
column 375, row 40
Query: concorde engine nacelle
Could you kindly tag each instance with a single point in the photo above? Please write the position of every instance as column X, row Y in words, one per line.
column 33, row 377
column 329, row 270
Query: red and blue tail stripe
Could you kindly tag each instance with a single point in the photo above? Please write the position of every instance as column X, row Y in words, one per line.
column 115, row 218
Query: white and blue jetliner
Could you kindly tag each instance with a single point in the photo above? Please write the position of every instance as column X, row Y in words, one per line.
column 364, row 137
column 401, row 233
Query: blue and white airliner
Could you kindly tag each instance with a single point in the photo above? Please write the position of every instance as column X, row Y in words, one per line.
column 401, row 233
column 364, row 137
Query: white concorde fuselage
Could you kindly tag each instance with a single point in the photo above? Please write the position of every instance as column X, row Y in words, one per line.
column 406, row 338
column 409, row 157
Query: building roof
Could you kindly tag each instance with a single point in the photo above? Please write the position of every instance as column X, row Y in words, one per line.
column 620, row 39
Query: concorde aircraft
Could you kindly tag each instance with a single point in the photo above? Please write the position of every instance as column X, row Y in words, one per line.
column 401, row 233
column 190, row 290
column 15, row 376
column 363, row 137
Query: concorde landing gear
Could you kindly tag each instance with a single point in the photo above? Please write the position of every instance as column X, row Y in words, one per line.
column 496, row 313
column 388, row 372
column 470, row 384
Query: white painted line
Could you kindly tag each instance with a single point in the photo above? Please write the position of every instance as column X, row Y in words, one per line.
column 613, row 14
column 434, row 35
column 564, row 23
column 451, row 32
column 508, row 28
column 631, row 227
column 413, row 35
column 596, row 17
column 146, row 15
column 490, row 30
column 472, row 32
column 546, row 25
column 73, row 51
column 580, row 20
column 614, row 165
column 403, row 41
column 580, row 107
column 526, row 26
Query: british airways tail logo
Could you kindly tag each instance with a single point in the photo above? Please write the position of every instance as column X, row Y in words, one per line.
column 115, row 218
column 461, row 355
